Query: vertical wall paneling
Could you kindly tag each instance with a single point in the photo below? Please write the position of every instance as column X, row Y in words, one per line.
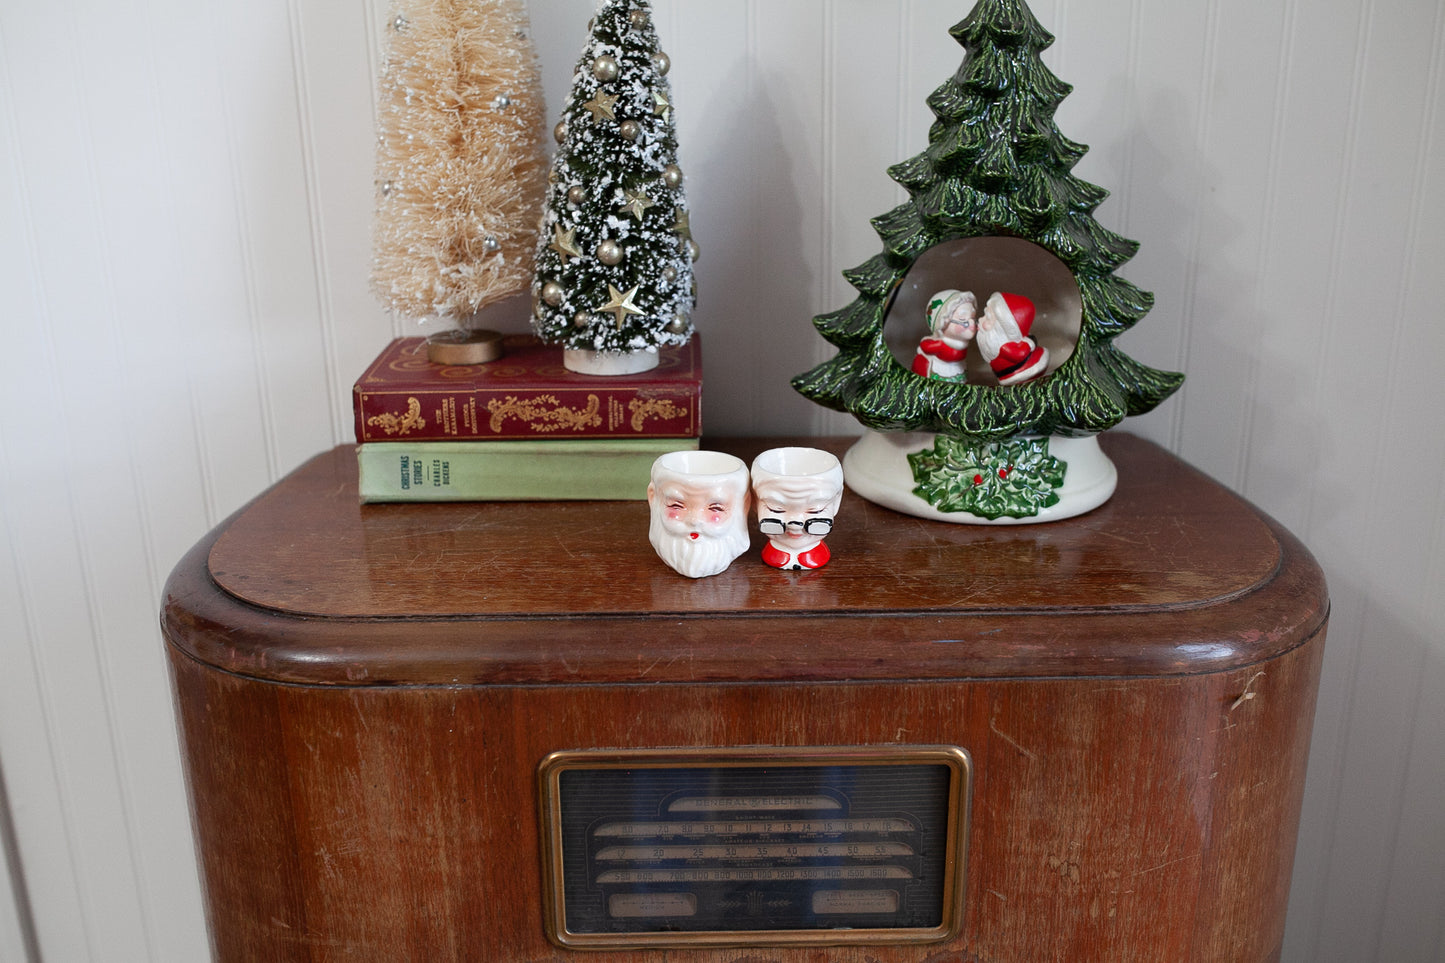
column 30, row 794
column 862, row 60
column 43, row 852
column 185, row 201
column 120, row 528
column 342, row 67
column 1416, row 888
column 1156, row 107
column 1378, row 352
column 785, row 124
column 721, row 131
column 209, row 347
column 1273, row 216
column 1315, row 119
column 64, row 530
column 266, row 102
column 1237, row 123
column 314, row 65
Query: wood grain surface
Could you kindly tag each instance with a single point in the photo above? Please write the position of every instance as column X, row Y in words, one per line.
column 315, row 588
column 1136, row 689
column 1128, row 821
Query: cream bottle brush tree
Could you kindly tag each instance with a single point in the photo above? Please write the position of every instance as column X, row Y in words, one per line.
column 460, row 167
column 614, row 263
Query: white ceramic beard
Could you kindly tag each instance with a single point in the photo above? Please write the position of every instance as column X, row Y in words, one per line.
column 709, row 554
column 990, row 339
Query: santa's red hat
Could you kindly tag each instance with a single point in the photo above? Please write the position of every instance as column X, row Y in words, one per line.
column 1019, row 308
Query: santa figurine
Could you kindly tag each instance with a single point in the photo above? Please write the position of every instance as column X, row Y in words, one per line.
column 1003, row 337
column 952, row 322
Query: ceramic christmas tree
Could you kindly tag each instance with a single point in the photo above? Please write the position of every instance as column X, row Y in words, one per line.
column 614, row 264
column 460, row 166
column 993, row 211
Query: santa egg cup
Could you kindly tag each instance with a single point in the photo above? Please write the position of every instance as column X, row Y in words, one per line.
column 797, row 492
column 698, row 503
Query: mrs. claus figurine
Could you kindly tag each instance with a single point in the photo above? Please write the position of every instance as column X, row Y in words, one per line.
column 951, row 324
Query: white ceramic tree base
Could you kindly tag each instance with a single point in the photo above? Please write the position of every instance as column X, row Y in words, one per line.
column 877, row 468
column 609, row 363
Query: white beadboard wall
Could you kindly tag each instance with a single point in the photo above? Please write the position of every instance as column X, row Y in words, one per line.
column 185, row 193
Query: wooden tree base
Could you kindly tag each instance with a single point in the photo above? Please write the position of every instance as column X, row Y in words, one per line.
column 464, row 347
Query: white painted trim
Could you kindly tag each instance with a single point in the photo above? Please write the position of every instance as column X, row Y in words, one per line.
column 17, row 937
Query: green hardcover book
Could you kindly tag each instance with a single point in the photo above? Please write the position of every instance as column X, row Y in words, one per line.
column 510, row 471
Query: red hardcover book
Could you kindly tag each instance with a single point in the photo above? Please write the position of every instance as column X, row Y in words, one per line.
column 527, row 393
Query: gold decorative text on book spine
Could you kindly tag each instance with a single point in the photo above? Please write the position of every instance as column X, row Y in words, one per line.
column 645, row 408
column 400, row 424
column 544, row 413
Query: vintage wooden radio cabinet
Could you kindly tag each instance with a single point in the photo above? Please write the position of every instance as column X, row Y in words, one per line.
column 508, row 733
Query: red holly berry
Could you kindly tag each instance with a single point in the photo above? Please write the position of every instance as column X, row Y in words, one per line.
column 978, row 479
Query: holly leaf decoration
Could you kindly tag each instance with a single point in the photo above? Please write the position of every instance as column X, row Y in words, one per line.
column 1016, row 478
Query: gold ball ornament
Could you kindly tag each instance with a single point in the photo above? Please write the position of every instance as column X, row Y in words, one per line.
column 661, row 62
column 576, row 195
column 677, row 325
column 609, row 252
column 580, row 319
column 638, row 18
column 605, row 69
column 672, row 176
column 669, row 273
column 552, row 293
column 630, row 129
column 694, row 252
column 559, row 133
column 490, row 244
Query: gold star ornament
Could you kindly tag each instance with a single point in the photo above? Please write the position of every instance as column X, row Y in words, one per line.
column 602, row 107
column 661, row 106
column 635, row 202
column 621, row 304
column 564, row 242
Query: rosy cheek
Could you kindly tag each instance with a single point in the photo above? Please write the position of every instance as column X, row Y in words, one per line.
column 717, row 518
column 674, row 514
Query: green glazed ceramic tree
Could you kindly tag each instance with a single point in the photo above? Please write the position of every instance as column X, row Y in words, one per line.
column 996, row 166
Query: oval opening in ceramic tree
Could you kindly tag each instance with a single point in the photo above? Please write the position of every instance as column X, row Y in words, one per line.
column 984, row 265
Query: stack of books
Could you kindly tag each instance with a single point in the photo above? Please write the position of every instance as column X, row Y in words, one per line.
column 521, row 428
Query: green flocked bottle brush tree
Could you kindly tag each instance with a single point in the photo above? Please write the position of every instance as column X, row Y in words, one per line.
column 614, row 276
